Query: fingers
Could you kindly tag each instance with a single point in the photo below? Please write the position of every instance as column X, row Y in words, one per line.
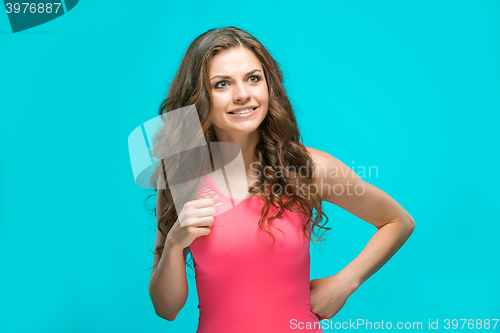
column 200, row 213
column 206, row 221
column 204, row 216
column 204, row 231
column 207, row 202
column 206, row 211
column 215, row 199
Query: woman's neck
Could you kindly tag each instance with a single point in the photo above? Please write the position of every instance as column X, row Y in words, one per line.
column 247, row 143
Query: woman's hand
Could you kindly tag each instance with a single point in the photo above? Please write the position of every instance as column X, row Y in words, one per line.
column 195, row 220
column 329, row 294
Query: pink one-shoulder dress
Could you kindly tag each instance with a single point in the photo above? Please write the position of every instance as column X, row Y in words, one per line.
column 243, row 289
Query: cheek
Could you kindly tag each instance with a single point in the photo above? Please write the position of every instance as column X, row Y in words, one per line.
column 219, row 106
column 264, row 94
column 264, row 98
column 220, row 100
column 215, row 100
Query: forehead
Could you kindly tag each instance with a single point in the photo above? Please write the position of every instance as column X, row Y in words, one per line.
column 234, row 61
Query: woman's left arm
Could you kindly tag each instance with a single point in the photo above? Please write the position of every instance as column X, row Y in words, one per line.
column 340, row 185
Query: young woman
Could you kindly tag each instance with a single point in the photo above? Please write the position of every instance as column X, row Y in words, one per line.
column 252, row 271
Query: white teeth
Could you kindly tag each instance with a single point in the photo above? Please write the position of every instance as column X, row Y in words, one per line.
column 242, row 111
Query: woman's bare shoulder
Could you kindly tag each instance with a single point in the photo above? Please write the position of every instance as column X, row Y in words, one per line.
column 327, row 168
column 321, row 158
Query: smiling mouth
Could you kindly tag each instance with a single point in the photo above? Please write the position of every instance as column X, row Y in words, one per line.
column 243, row 111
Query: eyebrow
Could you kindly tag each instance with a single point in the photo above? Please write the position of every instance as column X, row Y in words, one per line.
column 225, row 77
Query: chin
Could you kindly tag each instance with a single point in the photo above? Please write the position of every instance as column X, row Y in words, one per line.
column 243, row 129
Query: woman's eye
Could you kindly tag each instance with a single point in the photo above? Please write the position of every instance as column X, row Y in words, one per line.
column 221, row 84
column 254, row 78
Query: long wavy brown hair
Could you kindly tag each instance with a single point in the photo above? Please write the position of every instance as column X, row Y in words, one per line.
column 279, row 151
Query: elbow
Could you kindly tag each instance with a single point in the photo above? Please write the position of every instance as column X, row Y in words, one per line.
column 411, row 223
column 163, row 312
column 170, row 318
column 166, row 316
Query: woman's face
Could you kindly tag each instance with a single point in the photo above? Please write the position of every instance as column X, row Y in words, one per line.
column 240, row 98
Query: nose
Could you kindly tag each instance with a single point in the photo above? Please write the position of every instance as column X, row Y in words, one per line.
column 240, row 93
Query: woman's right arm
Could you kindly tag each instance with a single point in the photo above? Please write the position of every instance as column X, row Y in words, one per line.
column 168, row 286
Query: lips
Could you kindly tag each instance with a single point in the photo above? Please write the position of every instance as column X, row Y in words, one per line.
column 249, row 107
column 248, row 114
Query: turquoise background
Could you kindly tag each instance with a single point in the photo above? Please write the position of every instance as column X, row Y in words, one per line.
column 409, row 87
